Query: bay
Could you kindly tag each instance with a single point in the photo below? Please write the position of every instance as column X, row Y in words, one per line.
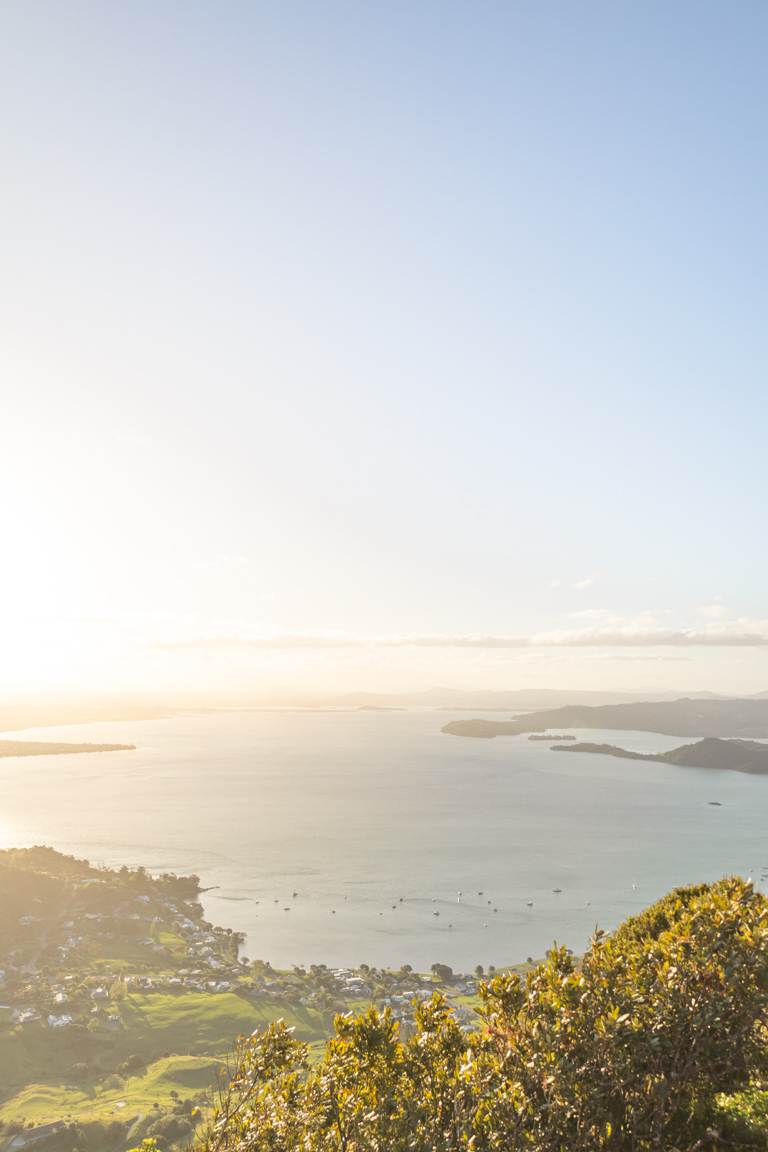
column 377, row 821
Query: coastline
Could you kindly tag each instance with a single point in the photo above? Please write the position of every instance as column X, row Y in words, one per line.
column 10, row 749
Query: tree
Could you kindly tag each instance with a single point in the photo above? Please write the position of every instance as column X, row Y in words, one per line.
column 625, row 1052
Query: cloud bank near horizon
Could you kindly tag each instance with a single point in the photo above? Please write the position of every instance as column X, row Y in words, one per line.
column 630, row 637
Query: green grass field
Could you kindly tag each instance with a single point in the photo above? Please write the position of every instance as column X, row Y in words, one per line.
column 185, row 1075
column 182, row 1038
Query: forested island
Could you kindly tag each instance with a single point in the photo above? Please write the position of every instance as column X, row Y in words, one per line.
column 55, row 748
column 734, row 755
column 687, row 717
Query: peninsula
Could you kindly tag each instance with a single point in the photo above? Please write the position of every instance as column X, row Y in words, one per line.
column 734, row 755
column 718, row 718
column 40, row 748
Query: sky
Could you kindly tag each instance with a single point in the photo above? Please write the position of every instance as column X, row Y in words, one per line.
column 382, row 345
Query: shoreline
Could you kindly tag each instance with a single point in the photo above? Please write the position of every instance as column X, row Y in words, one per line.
column 12, row 749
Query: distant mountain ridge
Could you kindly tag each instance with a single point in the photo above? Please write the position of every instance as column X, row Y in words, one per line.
column 747, row 718
column 492, row 699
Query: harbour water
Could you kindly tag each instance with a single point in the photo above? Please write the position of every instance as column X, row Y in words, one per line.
column 377, row 821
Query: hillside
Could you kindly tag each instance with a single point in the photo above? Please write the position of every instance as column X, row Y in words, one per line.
column 119, row 1001
column 686, row 717
column 733, row 755
column 629, row 1049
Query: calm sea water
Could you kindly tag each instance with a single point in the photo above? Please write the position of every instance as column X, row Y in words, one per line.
column 354, row 811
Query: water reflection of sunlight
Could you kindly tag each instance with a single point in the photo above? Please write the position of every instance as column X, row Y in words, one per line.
column 11, row 834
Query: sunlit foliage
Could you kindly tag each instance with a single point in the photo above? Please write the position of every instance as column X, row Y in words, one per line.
column 627, row 1049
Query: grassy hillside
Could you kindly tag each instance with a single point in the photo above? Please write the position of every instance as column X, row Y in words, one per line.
column 119, row 1001
column 122, row 1005
column 116, row 1096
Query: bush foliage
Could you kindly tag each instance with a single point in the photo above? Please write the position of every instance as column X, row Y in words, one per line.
column 627, row 1049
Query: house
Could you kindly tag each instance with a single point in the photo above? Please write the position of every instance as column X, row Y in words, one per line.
column 31, row 1136
column 62, row 1021
column 25, row 1016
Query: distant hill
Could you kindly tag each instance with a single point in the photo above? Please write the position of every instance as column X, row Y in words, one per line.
column 687, row 717
column 487, row 699
column 734, row 755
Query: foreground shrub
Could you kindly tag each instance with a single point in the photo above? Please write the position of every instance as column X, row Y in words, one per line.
column 627, row 1050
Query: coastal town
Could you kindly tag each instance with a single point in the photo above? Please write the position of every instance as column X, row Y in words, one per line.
column 111, row 977
column 117, row 932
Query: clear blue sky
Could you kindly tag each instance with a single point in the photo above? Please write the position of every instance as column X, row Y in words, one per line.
column 369, row 322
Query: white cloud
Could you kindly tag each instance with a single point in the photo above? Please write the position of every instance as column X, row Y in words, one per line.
column 653, row 638
column 712, row 611
column 638, row 633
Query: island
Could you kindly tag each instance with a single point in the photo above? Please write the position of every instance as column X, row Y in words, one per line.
column 41, row 748
column 686, row 717
column 734, row 755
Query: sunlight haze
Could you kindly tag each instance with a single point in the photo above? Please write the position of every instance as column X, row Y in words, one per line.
column 380, row 347
column 383, row 611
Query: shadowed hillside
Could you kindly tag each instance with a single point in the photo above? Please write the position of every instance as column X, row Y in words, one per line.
column 686, row 717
